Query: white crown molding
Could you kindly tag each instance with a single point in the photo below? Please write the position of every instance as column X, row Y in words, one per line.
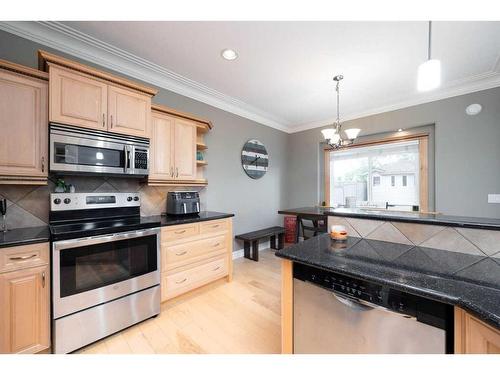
column 68, row 40
column 469, row 85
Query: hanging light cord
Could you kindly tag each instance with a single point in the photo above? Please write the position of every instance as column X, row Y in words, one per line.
column 429, row 44
column 338, row 102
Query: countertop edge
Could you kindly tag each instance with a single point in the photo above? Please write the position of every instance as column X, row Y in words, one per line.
column 482, row 314
column 29, row 241
column 445, row 221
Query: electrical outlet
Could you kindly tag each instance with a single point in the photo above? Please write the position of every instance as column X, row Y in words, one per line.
column 493, row 198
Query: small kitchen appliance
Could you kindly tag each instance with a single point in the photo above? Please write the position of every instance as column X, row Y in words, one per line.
column 105, row 266
column 183, row 203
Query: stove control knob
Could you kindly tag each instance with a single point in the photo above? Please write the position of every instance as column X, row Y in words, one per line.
column 57, row 201
column 129, row 199
column 67, row 200
column 136, row 199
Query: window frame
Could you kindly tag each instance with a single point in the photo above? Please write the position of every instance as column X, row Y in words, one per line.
column 423, row 152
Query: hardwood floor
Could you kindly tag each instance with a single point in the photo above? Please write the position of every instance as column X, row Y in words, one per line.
column 242, row 316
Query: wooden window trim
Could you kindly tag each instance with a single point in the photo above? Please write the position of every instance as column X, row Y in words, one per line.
column 423, row 151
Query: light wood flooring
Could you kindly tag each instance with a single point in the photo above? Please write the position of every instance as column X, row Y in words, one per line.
column 242, row 316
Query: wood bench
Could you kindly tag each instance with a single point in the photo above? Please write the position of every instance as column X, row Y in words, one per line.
column 254, row 237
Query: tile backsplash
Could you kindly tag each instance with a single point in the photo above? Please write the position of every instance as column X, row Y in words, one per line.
column 28, row 206
column 467, row 253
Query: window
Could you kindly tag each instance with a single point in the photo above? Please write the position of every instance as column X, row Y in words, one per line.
column 392, row 167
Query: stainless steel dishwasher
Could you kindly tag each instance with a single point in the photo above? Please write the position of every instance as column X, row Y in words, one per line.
column 338, row 314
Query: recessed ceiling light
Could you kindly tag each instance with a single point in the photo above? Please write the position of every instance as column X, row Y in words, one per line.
column 400, row 129
column 229, row 54
column 473, row 109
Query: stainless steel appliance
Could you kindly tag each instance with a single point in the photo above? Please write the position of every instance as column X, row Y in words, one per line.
column 105, row 266
column 337, row 314
column 183, row 203
column 77, row 150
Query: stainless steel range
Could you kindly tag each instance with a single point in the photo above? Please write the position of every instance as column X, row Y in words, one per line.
column 105, row 266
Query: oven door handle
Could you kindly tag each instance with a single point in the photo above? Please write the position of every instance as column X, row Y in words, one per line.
column 79, row 242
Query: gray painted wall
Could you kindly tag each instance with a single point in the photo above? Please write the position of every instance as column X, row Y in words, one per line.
column 254, row 202
column 466, row 152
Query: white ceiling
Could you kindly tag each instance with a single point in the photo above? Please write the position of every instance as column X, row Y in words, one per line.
column 284, row 71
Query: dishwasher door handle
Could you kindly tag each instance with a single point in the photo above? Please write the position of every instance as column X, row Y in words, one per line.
column 354, row 304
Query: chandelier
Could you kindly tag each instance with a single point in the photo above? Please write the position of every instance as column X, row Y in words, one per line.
column 333, row 136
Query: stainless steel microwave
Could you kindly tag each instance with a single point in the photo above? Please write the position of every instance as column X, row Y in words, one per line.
column 77, row 150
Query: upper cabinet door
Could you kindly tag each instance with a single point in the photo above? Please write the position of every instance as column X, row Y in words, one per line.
column 77, row 99
column 129, row 112
column 23, row 120
column 185, row 149
column 162, row 147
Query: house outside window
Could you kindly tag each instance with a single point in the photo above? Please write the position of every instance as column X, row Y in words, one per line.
column 392, row 167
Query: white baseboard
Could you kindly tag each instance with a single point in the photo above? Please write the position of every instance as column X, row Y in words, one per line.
column 262, row 246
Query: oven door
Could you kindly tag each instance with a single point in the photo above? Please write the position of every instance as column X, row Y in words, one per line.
column 94, row 270
column 72, row 153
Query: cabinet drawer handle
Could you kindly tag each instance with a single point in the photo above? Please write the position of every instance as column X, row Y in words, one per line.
column 43, row 164
column 103, row 120
column 171, row 171
column 43, row 279
column 177, row 172
column 216, row 268
column 182, row 281
column 217, row 244
column 111, row 120
column 23, row 257
column 215, row 226
column 180, row 231
column 181, row 253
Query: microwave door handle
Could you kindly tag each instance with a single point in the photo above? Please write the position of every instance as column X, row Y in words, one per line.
column 198, row 206
column 127, row 158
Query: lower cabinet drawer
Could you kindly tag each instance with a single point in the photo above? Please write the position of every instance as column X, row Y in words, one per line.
column 24, row 256
column 178, row 232
column 177, row 283
column 213, row 226
column 180, row 255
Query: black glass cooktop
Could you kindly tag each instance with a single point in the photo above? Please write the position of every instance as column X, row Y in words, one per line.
column 79, row 229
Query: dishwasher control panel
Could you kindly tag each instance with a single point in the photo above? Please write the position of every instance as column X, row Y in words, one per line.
column 351, row 287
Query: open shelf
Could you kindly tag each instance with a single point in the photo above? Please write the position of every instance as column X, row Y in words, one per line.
column 201, row 146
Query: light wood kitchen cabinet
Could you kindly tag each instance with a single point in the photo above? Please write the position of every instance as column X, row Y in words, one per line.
column 185, row 149
column 77, row 99
column 24, row 304
column 129, row 112
column 23, row 120
column 173, row 149
column 87, row 97
column 192, row 257
column 161, row 147
column 472, row 336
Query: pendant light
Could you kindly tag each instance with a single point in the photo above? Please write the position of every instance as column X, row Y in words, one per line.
column 333, row 135
column 429, row 72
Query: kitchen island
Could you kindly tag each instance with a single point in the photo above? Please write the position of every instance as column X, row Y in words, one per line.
column 420, row 271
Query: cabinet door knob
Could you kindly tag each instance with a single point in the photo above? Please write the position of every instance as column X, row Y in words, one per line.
column 177, row 172
column 111, row 123
column 103, row 120
column 43, row 163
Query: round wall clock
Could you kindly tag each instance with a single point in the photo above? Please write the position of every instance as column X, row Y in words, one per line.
column 254, row 159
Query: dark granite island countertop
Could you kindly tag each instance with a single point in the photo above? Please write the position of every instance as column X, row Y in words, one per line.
column 408, row 217
column 24, row 236
column 468, row 281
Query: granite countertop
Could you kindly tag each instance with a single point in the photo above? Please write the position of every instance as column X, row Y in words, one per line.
column 24, row 236
column 469, row 281
column 409, row 217
column 166, row 220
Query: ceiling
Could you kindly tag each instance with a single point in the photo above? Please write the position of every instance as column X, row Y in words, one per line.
column 284, row 72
